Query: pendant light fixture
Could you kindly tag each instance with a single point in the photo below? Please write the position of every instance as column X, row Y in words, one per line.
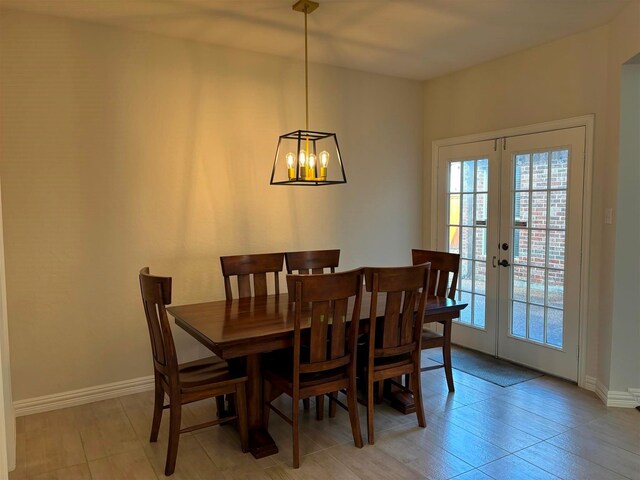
column 306, row 157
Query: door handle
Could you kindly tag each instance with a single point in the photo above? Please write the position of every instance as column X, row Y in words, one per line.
column 504, row 263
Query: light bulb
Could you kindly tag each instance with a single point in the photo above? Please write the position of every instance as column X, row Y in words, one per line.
column 302, row 158
column 312, row 160
column 324, row 158
column 291, row 158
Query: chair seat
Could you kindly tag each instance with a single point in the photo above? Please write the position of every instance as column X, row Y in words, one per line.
column 204, row 372
column 282, row 375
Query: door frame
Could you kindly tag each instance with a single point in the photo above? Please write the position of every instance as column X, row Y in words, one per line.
column 586, row 121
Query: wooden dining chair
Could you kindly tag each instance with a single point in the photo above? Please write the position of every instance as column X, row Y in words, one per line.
column 254, row 267
column 443, row 282
column 313, row 261
column 187, row 382
column 392, row 348
column 327, row 363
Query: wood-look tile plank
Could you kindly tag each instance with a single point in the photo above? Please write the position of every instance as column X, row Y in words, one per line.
column 463, row 444
column 52, row 449
column 559, row 409
column 473, row 475
column 106, row 435
column 564, row 464
column 222, row 445
column 530, row 403
column 373, row 462
column 192, row 463
column 617, row 428
column 77, row 472
column 515, row 468
column 415, row 449
column 132, row 465
column 579, row 442
column 494, row 431
column 315, row 466
column 535, row 425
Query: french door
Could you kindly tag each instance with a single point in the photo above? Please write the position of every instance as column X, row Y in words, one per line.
column 512, row 208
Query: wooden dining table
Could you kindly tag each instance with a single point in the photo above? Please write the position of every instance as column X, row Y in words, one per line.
column 241, row 330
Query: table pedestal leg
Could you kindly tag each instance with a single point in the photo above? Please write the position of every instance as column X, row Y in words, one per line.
column 260, row 442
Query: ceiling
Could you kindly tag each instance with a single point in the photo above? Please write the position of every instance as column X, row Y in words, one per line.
column 416, row 39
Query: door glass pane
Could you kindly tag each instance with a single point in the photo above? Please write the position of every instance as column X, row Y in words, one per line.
column 522, row 172
column 482, row 175
column 519, row 319
column 467, row 209
column 465, row 315
column 467, row 176
column 521, row 209
column 539, row 209
column 478, row 310
column 520, row 280
column 536, row 323
column 521, row 246
column 559, row 169
column 536, row 285
column 481, row 209
column 554, row 327
column 538, row 253
column 454, row 209
column 540, row 170
column 480, row 278
column 481, row 244
column 465, row 276
column 558, row 209
column 454, row 239
column 454, row 177
column 555, row 297
column 539, row 214
column 466, row 243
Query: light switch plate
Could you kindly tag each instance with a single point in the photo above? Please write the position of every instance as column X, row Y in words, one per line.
column 608, row 216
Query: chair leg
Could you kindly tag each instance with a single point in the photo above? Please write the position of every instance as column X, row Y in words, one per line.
column 175, row 412
column 352, row 403
column 446, row 355
column 158, row 401
column 221, row 411
column 379, row 389
column 319, row 407
column 370, row 398
column 241, row 410
column 295, row 410
column 332, row 405
column 417, row 396
column 305, row 404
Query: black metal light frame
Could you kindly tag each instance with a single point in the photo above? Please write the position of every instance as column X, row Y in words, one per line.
column 301, row 137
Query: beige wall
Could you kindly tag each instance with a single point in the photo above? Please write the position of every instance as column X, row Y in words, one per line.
column 121, row 149
column 566, row 78
column 618, row 333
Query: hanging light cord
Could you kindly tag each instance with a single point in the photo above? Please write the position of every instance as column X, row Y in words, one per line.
column 306, row 69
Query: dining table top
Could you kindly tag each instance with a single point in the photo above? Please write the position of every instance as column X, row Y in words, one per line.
column 240, row 327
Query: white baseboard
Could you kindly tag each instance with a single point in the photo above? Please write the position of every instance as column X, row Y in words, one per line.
column 82, row 396
column 589, row 383
column 612, row 398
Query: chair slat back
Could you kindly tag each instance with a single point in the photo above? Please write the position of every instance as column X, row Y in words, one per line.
column 312, row 261
column 398, row 330
column 156, row 295
column 246, row 267
column 444, row 271
column 321, row 304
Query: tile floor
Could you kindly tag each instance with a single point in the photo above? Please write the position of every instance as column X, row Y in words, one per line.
column 540, row 429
